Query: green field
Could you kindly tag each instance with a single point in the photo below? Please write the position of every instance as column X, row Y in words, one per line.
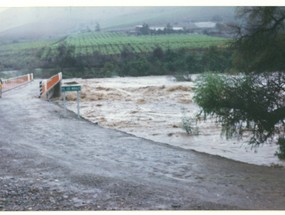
column 112, row 43
column 30, row 54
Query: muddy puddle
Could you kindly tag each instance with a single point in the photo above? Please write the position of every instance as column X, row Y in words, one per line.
column 153, row 108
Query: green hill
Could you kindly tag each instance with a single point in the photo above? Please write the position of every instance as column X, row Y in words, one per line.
column 30, row 37
column 51, row 22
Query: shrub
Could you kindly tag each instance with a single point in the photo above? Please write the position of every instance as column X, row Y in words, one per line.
column 189, row 125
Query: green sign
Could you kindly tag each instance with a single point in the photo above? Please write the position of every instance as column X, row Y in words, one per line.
column 70, row 88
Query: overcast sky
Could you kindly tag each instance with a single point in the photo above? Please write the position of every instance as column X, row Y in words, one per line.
column 21, row 3
column 2, row 9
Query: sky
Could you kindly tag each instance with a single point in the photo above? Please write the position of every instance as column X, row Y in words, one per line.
column 29, row 3
column 2, row 9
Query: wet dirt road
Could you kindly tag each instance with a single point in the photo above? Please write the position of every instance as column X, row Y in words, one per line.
column 53, row 161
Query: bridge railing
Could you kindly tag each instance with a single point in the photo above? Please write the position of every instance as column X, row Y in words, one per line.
column 47, row 87
column 12, row 83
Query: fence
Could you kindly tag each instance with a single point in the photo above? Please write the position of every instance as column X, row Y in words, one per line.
column 12, row 83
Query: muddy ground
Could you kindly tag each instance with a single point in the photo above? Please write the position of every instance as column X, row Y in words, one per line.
column 53, row 161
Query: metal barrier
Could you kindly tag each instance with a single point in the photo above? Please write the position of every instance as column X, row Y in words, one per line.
column 13, row 83
column 47, row 86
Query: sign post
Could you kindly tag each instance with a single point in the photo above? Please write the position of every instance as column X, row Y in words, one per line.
column 78, row 103
column 64, row 103
column 72, row 86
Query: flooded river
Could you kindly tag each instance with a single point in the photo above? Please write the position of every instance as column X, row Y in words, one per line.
column 153, row 108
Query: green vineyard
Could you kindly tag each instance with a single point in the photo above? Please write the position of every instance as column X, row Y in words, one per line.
column 112, row 43
column 31, row 53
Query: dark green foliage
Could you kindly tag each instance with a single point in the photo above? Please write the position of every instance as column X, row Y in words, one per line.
column 217, row 60
column 158, row 62
column 244, row 104
column 128, row 63
column 144, row 30
column 135, row 67
column 157, row 54
column 194, row 63
column 62, row 58
column 260, row 39
column 252, row 102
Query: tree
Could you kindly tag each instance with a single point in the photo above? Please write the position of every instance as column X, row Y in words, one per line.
column 193, row 63
column 244, row 103
column 144, row 30
column 253, row 101
column 157, row 53
column 63, row 57
column 260, row 39
column 216, row 60
column 168, row 29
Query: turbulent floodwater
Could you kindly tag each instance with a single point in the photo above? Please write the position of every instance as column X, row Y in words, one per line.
column 153, row 107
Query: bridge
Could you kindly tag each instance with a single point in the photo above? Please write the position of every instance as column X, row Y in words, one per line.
column 54, row 161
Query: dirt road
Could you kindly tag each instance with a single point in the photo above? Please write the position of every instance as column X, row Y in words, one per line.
column 52, row 161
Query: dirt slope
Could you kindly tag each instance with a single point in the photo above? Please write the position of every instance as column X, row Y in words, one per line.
column 52, row 161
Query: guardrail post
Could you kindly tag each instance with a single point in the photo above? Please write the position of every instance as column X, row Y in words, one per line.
column 41, row 88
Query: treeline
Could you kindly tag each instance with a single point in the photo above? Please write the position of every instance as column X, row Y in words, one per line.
column 157, row 62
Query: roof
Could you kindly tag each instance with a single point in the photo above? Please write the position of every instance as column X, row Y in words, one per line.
column 177, row 28
column 157, row 28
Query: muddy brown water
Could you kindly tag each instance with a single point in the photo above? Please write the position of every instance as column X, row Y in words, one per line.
column 152, row 107
column 99, row 168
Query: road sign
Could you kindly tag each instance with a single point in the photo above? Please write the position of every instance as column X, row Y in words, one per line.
column 72, row 86
column 66, row 88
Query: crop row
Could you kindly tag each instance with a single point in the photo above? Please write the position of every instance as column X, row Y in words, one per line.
column 113, row 43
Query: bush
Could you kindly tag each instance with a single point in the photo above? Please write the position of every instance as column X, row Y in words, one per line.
column 189, row 125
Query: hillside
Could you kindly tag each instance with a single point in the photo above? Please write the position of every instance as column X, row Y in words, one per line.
column 32, row 54
column 46, row 22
